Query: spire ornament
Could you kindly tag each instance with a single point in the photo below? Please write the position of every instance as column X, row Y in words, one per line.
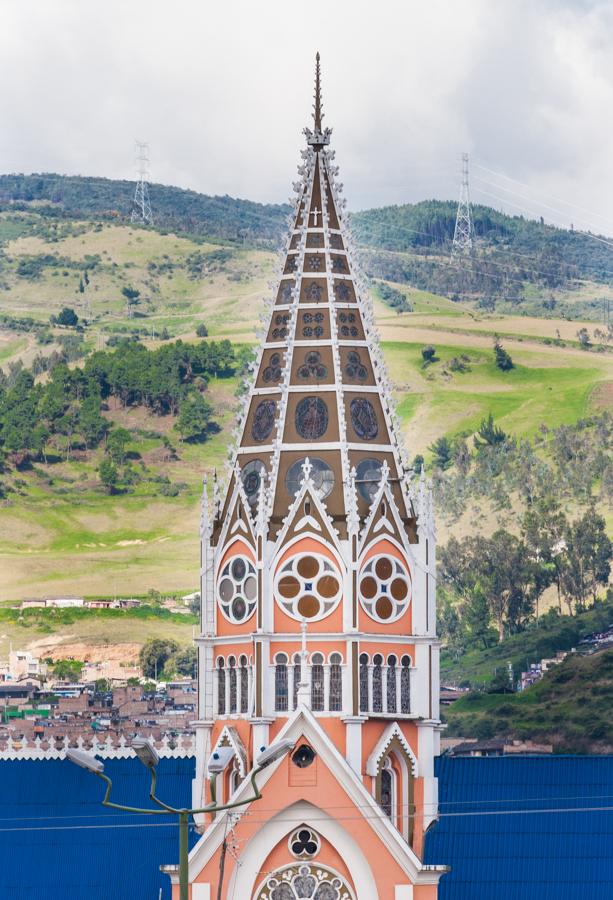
column 318, row 115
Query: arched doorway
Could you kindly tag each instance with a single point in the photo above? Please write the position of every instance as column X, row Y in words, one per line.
column 302, row 881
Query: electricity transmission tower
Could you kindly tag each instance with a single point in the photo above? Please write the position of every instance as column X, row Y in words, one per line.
column 463, row 234
column 141, row 206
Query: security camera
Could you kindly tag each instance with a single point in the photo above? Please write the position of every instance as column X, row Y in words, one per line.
column 219, row 759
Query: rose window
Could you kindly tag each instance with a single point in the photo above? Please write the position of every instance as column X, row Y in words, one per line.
column 237, row 589
column 310, row 882
column 322, row 476
column 368, row 477
column 308, row 587
column 385, row 588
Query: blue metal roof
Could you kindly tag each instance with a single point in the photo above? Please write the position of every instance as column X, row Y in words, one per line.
column 502, row 842
column 58, row 842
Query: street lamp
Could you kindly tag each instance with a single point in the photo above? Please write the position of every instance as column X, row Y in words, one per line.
column 149, row 757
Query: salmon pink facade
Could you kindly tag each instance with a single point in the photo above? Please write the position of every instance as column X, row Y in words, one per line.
column 318, row 599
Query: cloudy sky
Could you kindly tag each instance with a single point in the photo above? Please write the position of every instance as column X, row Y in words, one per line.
column 221, row 92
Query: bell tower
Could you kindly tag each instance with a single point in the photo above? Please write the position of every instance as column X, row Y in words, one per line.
column 318, row 589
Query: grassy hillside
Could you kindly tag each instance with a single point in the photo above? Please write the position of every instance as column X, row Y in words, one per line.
column 570, row 707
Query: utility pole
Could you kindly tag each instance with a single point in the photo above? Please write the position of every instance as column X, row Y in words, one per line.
column 141, row 206
column 463, row 234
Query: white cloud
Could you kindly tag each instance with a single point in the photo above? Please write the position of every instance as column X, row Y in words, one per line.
column 222, row 91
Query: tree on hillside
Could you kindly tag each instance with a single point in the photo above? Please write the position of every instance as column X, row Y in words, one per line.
column 428, row 354
column 116, row 444
column 194, row 417
column 443, row 452
column 153, row 655
column 182, row 661
column 109, row 476
column 501, row 357
column 68, row 669
column 488, row 434
column 201, row 330
column 67, row 317
column 131, row 295
column 587, row 559
column 92, row 425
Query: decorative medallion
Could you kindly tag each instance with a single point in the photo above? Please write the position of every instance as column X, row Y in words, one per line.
column 313, row 292
column 280, row 326
column 364, row 419
column 347, row 326
column 290, row 265
column 313, row 326
column 385, row 588
column 263, row 420
column 237, row 589
column 312, row 367
column 311, row 418
column 315, row 263
column 368, row 478
column 343, row 292
column 251, row 476
column 272, row 372
column 286, row 293
column 354, row 368
column 308, row 586
column 339, row 264
column 336, row 242
column 322, row 476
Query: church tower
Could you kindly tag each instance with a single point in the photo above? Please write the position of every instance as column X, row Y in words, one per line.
column 318, row 597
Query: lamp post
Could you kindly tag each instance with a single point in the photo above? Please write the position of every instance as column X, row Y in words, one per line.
column 146, row 752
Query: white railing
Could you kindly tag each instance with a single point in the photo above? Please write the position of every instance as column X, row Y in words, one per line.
column 109, row 748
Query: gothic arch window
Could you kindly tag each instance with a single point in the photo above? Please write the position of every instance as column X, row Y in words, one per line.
column 364, row 682
column 391, row 684
column 317, row 682
column 244, row 684
column 336, row 682
column 385, row 588
column 232, row 683
column 221, row 688
column 237, row 589
column 304, row 881
column 235, row 778
column 405, row 685
column 389, row 789
column 297, row 678
column 281, row 697
column 308, row 586
column 377, row 683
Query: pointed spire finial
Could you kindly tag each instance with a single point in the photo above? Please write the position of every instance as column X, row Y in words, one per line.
column 318, row 115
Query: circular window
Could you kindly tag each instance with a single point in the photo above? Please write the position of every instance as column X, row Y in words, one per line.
column 251, row 476
column 322, row 477
column 304, row 843
column 308, row 587
column 364, row 419
column 263, row 420
column 237, row 589
column 368, row 477
column 311, row 418
column 385, row 588
column 304, row 756
column 272, row 372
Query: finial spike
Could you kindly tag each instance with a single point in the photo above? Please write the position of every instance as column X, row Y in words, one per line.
column 318, row 115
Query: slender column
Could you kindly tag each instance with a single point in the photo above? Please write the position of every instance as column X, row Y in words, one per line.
column 250, row 690
column 326, row 687
column 239, row 688
column 215, row 690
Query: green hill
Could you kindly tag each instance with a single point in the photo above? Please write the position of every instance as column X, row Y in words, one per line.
column 570, row 708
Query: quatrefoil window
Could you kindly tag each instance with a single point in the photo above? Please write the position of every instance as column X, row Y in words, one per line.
column 304, row 843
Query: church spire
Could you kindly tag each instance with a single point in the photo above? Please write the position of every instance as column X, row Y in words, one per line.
column 318, row 114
